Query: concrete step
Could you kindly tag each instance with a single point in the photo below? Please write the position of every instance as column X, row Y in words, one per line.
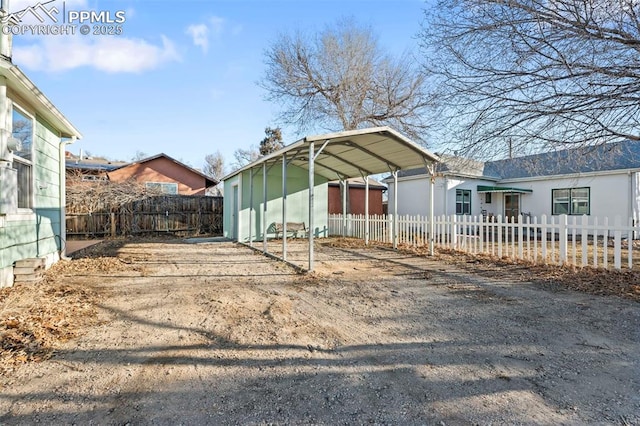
column 29, row 270
column 24, row 270
column 28, row 278
column 34, row 263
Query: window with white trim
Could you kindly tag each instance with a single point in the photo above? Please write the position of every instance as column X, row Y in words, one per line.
column 162, row 187
column 23, row 156
column 463, row 201
column 571, row 201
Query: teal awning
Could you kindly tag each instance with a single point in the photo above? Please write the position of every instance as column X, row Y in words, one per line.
column 484, row 188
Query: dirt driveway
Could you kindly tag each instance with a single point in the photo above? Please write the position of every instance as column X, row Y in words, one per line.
column 214, row 333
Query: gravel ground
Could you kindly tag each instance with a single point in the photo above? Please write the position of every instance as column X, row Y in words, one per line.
column 214, row 333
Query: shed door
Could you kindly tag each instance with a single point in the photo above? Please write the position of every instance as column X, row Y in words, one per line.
column 235, row 212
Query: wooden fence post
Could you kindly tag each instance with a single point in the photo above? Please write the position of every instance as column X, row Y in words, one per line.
column 595, row 242
column 583, row 238
column 520, row 228
column 605, row 243
column 454, row 232
column 500, row 224
column 563, row 236
column 617, row 247
column 112, row 218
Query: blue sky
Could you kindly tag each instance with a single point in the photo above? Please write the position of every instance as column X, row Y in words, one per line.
column 181, row 78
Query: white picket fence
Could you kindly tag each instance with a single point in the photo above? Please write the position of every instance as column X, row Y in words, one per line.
column 574, row 240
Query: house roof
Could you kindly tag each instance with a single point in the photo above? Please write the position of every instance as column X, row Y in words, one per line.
column 352, row 153
column 209, row 181
column 359, row 183
column 449, row 165
column 98, row 165
column 612, row 156
column 606, row 157
column 27, row 90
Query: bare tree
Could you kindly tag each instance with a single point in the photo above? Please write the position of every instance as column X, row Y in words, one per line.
column 94, row 195
column 272, row 141
column 519, row 76
column 242, row 157
column 214, row 167
column 340, row 78
column 139, row 155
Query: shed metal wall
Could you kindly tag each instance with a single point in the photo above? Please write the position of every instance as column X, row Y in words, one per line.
column 297, row 201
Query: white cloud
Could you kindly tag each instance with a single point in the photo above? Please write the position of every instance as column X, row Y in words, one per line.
column 200, row 36
column 217, row 25
column 130, row 12
column 237, row 29
column 213, row 29
column 109, row 54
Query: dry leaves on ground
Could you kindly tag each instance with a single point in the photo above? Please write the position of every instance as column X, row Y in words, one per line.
column 36, row 317
column 600, row 281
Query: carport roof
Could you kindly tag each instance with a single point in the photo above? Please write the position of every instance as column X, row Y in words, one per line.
column 352, row 153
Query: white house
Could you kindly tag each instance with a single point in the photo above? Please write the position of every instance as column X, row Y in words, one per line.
column 601, row 181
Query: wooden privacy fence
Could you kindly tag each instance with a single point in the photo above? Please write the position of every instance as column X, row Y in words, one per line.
column 177, row 214
column 575, row 240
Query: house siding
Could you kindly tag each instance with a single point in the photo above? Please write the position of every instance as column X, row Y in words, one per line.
column 297, row 201
column 162, row 170
column 36, row 234
column 635, row 197
column 413, row 195
column 611, row 194
column 356, row 200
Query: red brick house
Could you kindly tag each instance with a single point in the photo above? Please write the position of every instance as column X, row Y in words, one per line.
column 166, row 173
column 356, row 197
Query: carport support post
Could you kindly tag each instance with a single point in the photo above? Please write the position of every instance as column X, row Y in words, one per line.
column 284, row 206
column 251, row 207
column 432, row 223
column 366, row 210
column 264, row 207
column 395, row 209
column 311, row 185
column 345, row 188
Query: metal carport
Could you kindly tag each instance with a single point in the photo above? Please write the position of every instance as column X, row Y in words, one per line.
column 342, row 155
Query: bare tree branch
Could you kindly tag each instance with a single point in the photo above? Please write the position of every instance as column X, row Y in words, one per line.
column 214, row 167
column 340, row 79
column 534, row 74
column 98, row 195
column 242, row 157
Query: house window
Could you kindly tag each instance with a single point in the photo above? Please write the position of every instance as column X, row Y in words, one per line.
column 463, row 201
column 162, row 187
column 487, row 198
column 23, row 157
column 572, row 201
